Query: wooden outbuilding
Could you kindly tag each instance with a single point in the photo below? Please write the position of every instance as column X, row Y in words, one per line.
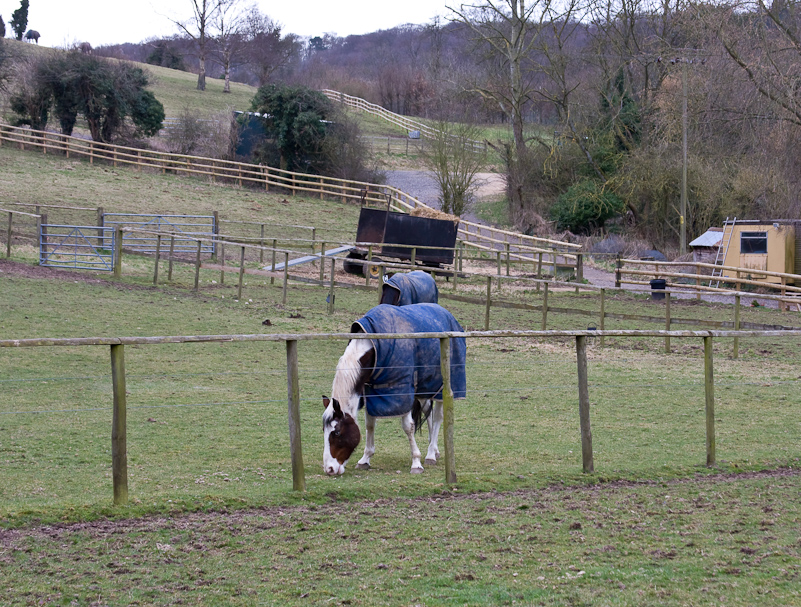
column 767, row 246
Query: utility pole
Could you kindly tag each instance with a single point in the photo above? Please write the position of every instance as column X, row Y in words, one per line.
column 683, row 208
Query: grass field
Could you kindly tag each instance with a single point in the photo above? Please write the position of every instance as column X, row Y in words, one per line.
column 212, row 519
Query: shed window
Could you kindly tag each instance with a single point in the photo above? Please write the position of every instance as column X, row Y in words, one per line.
column 753, row 242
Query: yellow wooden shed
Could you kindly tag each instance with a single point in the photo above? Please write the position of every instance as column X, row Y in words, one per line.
column 759, row 245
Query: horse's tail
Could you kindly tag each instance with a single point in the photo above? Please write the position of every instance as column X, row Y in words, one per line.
column 420, row 412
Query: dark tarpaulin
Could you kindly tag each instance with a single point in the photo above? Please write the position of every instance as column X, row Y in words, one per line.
column 407, row 369
column 405, row 288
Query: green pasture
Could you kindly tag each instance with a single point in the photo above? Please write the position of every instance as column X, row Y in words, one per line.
column 212, row 518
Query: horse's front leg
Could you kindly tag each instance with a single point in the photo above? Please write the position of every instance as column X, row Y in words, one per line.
column 434, row 424
column 407, row 423
column 369, row 442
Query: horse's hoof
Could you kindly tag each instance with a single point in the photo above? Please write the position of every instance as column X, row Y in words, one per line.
column 362, row 466
column 431, row 462
column 417, row 470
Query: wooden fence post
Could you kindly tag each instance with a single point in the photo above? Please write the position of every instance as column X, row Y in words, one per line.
column 119, row 437
column 603, row 314
column 580, row 267
column 118, row 252
column 241, row 273
column 156, row 265
column 8, row 236
column 618, row 268
column 489, row 303
column 545, row 307
column 100, row 222
column 539, row 270
column 667, row 322
column 368, row 268
column 261, row 244
column 197, row 266
column 709, row 385
column 447, row 409
column 736, row 346
column 293, row 393
column 286, row 277
column 215, row 231
column 322, row 262
column 272, row 269
column 42, row 237
column 222, row 262
column 172, row 252
column 331, row 295
column 584, row 405
column 508, row 258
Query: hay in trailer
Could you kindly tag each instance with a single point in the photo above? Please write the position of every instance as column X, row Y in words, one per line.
column 433, row 214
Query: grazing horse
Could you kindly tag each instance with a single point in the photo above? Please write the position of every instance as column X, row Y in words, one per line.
column 407, row 288
column 391, row 378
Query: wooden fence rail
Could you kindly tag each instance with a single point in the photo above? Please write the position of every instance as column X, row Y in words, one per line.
column 256, row 175
column 119, row 442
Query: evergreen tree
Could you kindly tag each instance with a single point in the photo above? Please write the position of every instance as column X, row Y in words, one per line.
column 19, row 19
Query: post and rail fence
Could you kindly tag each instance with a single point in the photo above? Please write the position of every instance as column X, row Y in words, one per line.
column 119, row 434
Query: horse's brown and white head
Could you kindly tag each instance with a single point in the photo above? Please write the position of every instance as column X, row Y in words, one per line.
column 341, row 433
column 341, row 436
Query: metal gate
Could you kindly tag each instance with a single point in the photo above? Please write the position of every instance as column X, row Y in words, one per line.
column 77, row 247
column 197, row 226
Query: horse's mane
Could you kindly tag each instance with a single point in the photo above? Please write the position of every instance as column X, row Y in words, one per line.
column 350, row 376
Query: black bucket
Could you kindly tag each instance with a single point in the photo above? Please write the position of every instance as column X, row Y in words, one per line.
column 658, row 284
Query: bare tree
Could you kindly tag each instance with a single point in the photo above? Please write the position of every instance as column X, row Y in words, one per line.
column 229, row 24
column 267, row 50
column 198, row 27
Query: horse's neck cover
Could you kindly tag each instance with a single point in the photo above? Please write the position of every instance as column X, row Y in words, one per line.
column 410, row 368
column 415, row 287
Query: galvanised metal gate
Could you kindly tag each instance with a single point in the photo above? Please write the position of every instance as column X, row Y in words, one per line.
column 197, row 226
column 78, row 247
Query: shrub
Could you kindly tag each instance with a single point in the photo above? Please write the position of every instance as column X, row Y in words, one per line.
column 586, row 206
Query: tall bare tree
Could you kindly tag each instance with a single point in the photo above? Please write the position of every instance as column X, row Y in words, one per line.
column 198, row 28
column 229, row 25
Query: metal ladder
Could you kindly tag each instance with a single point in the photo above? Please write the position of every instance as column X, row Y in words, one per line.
column 723, row 249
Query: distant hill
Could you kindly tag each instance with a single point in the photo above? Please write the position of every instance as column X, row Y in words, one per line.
column 175, row 89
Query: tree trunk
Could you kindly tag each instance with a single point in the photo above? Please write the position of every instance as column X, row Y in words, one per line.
column 201, row 74
column 227, row 62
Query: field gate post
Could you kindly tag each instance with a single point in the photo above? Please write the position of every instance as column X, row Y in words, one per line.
column 118, row 252
column 322, row 262
column 489, row 303
column 709, row 385
column 100, row 223
column 447, row 409
column 197, row 265
column 736, row 346
column 272, row 269
column 119, row 437
column 580, row 267
column 584, row 405
column 293, row 392
column 215, row 232
column 222, row 262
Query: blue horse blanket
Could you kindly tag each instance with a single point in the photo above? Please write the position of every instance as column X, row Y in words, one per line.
column 407, row 288
column 409, row 369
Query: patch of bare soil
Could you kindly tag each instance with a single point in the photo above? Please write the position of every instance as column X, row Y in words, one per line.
column 25, row 270
column 105, row 527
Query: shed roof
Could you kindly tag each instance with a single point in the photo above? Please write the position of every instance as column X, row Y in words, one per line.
column 710, row 238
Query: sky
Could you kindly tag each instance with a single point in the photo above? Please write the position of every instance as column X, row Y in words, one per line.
column 62, row 23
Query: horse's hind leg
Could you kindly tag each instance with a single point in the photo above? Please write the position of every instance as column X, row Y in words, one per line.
column 434, row 424
column 369, row 442
column 407, row 423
